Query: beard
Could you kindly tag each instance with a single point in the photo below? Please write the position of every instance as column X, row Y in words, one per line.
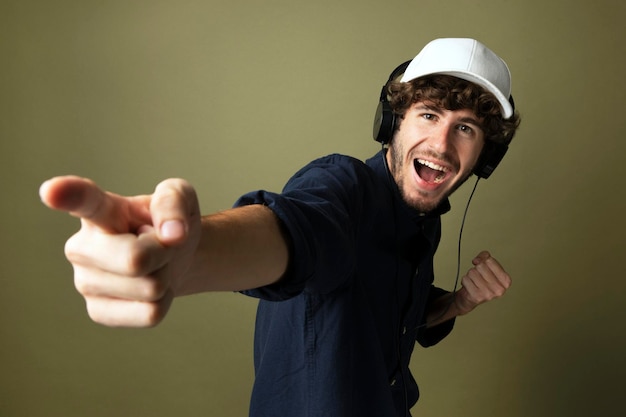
column 423, row 202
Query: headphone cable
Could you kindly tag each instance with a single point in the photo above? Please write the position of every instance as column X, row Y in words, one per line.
column 458, row 254
column 458, row 258
column 458, row 263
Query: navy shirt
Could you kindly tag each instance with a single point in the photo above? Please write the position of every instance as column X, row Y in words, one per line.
column 334, row 336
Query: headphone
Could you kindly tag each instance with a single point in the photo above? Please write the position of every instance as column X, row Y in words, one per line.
column 385, row 121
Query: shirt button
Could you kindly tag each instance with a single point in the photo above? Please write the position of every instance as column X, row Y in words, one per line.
column 393, row 382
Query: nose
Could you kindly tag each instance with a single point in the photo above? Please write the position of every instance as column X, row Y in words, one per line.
column 441, row 138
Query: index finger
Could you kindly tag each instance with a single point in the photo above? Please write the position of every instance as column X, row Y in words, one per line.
column 82, row 198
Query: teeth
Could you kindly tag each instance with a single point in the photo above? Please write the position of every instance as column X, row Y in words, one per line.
column 436, row 167
column 432, row 165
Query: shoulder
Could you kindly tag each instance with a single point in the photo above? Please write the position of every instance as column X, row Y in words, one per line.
column 334, row 167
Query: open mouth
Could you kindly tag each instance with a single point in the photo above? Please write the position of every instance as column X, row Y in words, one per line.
column 430, row 172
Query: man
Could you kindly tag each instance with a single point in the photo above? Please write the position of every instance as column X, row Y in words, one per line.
column 342, row 259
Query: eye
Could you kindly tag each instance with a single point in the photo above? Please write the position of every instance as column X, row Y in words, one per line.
column 468, row 130
column 429, row 116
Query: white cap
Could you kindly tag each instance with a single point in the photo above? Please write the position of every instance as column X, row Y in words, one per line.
column 467, row 59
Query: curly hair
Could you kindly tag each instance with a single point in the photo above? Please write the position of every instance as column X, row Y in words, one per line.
column 453, row 93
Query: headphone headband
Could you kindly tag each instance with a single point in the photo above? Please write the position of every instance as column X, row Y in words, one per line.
column 394, row 74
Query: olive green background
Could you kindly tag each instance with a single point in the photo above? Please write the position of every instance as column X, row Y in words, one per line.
column 235, row 96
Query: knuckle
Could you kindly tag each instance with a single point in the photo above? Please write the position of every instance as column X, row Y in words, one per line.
column 153, row 316
column 172, row 186
column 152, row 289
column 94, row 311
column 467, row 279
column 499, row 291
column 138, row 261
column 174, row 183
column 72, row 249
column 82, row 284
column 150, row 314
column 507, row 281
column 173, row 190
column 158, row 309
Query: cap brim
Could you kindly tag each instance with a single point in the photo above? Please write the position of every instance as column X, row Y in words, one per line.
column 505, row 105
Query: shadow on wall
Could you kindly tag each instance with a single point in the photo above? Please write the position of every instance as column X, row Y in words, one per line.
column 572, row 359
column 575, row 366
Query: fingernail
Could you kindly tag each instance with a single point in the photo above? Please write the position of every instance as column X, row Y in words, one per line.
column 172, row 229
column 43, row 188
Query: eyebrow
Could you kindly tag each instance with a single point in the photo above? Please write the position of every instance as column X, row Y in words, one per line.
column 439, row 111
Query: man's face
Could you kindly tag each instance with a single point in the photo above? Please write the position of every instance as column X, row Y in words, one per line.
column 433, row 152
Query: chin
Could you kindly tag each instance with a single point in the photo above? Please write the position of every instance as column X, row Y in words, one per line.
column 422, row 202
column 425, row 202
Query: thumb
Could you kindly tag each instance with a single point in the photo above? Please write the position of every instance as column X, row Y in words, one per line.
column 481, row 257
column 175, row 211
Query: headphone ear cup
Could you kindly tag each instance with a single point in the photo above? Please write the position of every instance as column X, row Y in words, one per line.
column 490, row 157
column 385, row 118
column 384, row 122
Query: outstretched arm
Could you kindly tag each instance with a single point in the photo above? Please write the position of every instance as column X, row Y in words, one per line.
column 133, row 255
column 485, row 281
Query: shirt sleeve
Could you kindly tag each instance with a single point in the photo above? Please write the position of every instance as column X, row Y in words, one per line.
column 433, row 335
column 316, row 209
